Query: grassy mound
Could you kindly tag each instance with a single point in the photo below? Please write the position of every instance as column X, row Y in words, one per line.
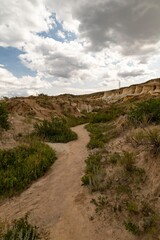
column 22, row 165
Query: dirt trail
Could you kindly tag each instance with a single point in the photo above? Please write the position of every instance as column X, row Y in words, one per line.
column 57, row 201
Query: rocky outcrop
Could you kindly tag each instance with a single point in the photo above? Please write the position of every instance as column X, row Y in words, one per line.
column 151, row 87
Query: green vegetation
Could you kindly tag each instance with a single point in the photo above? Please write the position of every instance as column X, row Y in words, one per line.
column 148, row 138
column 101, row 203
column 56, row 130
column 94, row 172
column 4, row 124
column 106, row 115
column 146, row 112
column 123, row 185
column 101, row 133
column 131, row 227
column 20, row 166
column 21, row 230
column 74, row 121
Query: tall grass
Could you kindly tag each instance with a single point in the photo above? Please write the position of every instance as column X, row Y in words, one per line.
column 20, row 166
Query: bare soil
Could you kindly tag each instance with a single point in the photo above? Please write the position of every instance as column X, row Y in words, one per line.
column 57, row 202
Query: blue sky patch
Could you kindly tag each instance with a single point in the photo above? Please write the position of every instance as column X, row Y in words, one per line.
column 58, row 28
column 9, row 57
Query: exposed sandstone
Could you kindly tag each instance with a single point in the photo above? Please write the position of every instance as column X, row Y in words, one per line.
column 151, row 87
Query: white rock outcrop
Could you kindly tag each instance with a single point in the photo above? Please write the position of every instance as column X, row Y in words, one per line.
column 151, row 87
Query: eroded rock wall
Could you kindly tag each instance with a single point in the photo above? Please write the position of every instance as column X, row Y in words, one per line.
column 151, row 87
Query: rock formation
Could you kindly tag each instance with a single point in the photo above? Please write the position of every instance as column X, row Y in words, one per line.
column 151, row 87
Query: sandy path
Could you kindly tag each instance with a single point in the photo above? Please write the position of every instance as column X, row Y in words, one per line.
column 57, row 201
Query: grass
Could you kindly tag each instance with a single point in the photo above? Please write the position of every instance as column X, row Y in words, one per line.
column 56, row 130
column 106, row 115
column 145, row 112
column 20, row 166
column 74, row 121
column 4, row 124
column 21, row 229
column 94, row 172
column 100, row 134
column 150, row 138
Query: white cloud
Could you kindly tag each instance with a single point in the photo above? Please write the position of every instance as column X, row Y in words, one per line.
column 116, row 40
column 19, row 20
column 9, row 84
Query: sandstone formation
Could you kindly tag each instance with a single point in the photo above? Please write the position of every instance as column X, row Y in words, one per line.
column 151, row 87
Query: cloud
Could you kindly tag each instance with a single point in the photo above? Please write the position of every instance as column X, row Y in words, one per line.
column 113, row 40
column 9, row 84
column 19, row 20
column 134, row 73
column 133, row 25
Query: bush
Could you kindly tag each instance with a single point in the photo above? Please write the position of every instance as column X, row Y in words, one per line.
column 154, row 141
column 56, row 130
column 146, row 111
column 22, row 165
column 4, row 124
column 94, row 172
column 149, row 138
column 21, row 230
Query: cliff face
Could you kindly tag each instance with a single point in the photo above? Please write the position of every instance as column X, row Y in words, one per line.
column 151, row 87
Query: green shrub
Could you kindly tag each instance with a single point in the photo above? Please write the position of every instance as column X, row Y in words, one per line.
column 103, row 116
column 22, row 165
column 4, row 124
column 154, row 141
column 21, row 230
column 149, row 138
column 94, row 172
column 56, row 130
column 100, row 133
column 146, row 111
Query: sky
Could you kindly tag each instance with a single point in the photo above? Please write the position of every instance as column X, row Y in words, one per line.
column 77, row 46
